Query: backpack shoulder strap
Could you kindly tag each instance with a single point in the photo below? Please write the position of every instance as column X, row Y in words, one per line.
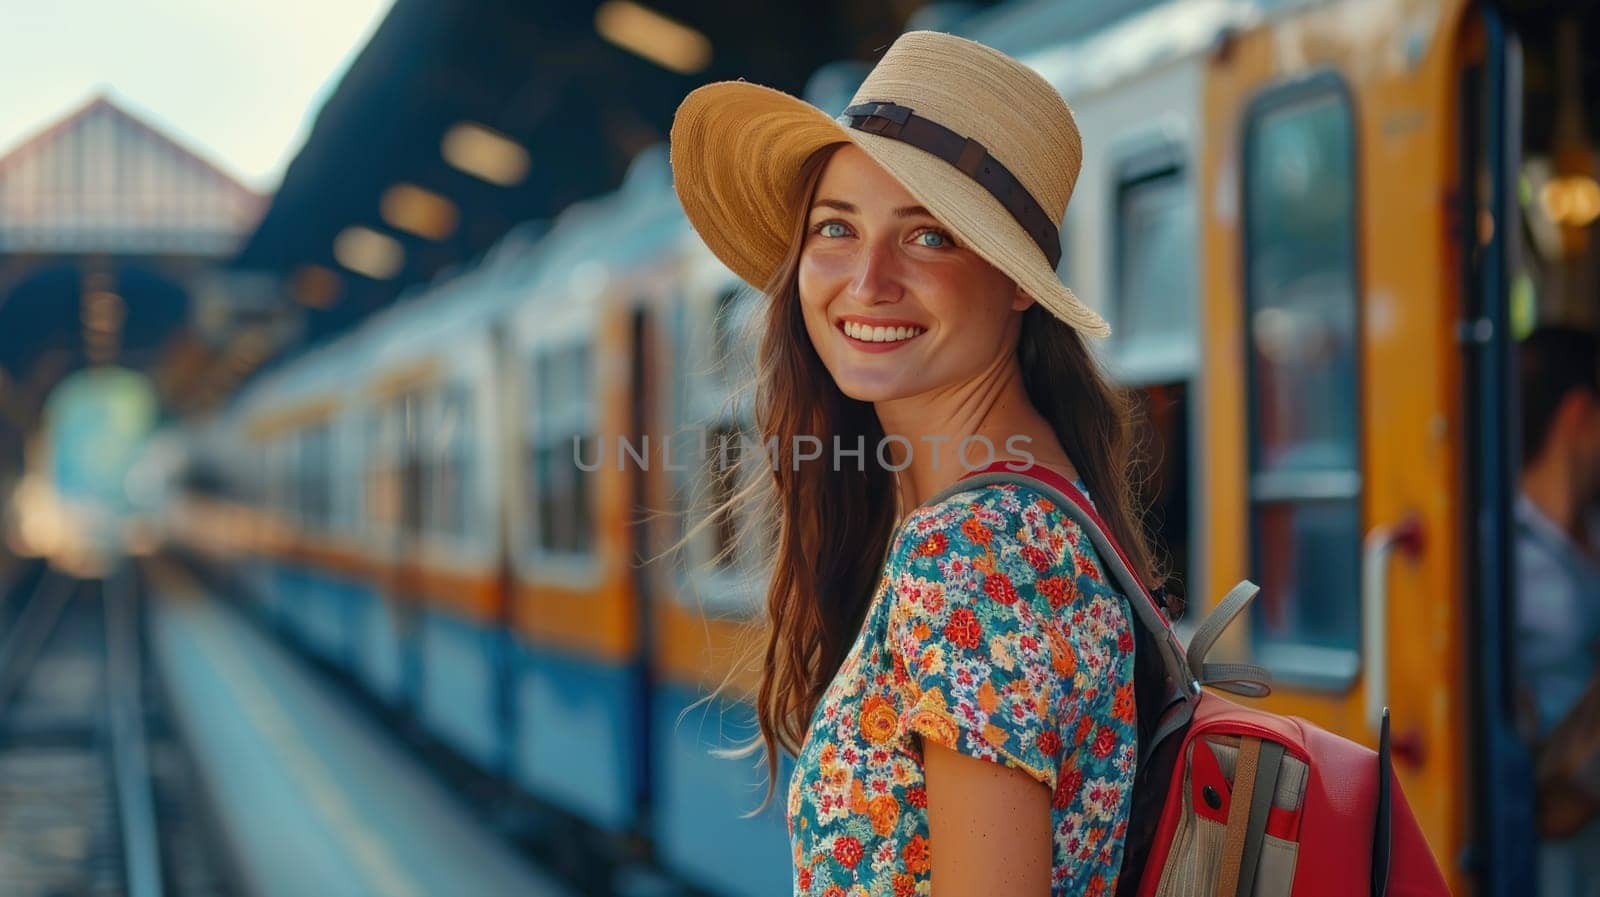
column 1186, row 666
column 1182, row 686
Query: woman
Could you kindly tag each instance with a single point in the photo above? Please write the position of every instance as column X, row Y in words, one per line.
column 951, row 668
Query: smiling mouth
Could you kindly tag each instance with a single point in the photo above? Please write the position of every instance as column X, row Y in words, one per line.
column 874, row 334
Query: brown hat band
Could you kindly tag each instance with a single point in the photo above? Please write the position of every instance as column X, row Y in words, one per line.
column 968, row 156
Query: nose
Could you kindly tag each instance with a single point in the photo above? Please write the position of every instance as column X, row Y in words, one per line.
column 877, row 274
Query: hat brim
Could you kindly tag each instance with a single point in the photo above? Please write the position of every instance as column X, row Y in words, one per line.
column 736, row 151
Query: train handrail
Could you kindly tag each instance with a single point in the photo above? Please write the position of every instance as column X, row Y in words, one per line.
column 1404, row 535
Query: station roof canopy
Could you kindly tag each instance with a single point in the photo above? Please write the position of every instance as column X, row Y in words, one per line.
column 542, row 98
column 105, row 221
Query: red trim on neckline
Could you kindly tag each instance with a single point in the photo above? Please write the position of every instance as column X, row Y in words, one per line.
column 1035, row 470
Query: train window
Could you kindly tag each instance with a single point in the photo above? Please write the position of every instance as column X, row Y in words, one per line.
column 314, row 480
column 410, row 469
column 563, row 433
column 451, row 502
column 725, row 321
column 1154, row 313
column 1303, row 356
column 729, row 564
column 716, row 420
column 300, row 467
column 390, row 487
column 346, row 487
column 381, row 499
column 734, row 356
column 276, row 475
column 710, row 371
column 281, row 502
column 722, row 471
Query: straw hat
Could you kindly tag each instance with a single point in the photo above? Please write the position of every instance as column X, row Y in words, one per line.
column 981, row 140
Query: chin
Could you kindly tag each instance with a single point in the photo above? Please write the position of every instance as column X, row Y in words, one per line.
column 871, row 390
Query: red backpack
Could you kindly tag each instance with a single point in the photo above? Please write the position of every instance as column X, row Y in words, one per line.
column 1232, row 801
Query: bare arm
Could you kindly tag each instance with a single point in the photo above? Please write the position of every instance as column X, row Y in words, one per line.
column 988, row 827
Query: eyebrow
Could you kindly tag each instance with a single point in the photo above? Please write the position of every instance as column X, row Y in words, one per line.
column 841, row 205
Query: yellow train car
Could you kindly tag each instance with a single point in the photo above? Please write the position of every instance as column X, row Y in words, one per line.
column 1336, row 430
column 1359, row 229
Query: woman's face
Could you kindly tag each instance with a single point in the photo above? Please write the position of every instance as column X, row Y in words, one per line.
column 874, row 258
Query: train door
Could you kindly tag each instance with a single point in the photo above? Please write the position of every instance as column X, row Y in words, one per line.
column 642, row 430
column 502, row 428
column 1500, row 844
column 1333, row 393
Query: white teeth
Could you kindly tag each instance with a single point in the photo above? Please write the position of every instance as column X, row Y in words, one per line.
column 877, row 334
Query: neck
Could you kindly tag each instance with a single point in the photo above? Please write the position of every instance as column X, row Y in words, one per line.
column 990, row 414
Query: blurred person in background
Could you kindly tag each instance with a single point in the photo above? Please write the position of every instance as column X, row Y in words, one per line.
column 1558, row 608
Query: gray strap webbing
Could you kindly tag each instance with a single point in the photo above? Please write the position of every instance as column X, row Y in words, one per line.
column 1239, row 678
column 1205, row 635
column 1260, row 805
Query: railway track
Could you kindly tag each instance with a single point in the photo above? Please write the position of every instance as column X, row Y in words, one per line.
column 96, row 797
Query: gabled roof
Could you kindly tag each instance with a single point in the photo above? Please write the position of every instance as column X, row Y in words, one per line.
column 102, row 180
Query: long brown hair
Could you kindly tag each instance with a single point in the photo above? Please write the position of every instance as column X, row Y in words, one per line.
column 833, row 527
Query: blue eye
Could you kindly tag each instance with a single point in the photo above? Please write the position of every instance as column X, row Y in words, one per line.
column 943, row 239
column 823, row 228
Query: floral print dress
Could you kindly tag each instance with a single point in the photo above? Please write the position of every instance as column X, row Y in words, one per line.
column 994, row 631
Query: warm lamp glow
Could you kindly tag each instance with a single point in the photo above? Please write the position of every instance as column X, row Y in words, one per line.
column 647, row 33
column 1573, row 200
column 415, row 210
column 485, row 153
column 365, row 251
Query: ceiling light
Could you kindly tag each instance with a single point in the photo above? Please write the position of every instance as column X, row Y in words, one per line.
column 422, row 212
column 365, row 251
column 485, row 153
column 663, row 41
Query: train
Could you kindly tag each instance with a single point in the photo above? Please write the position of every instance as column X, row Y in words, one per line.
column 1312, row 228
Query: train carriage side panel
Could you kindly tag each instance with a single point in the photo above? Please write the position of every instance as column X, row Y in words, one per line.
column 1333, row 388
column 459, row 620
column 575, row 649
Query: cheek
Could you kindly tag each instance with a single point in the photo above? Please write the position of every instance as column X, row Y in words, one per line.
column 820, row 277
column 815, row 295
column 821, row 272
column 972, row 303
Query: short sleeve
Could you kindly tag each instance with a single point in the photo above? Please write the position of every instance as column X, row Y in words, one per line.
column 996, row 652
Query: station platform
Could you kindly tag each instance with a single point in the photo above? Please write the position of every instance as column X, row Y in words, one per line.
column 311, row 795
